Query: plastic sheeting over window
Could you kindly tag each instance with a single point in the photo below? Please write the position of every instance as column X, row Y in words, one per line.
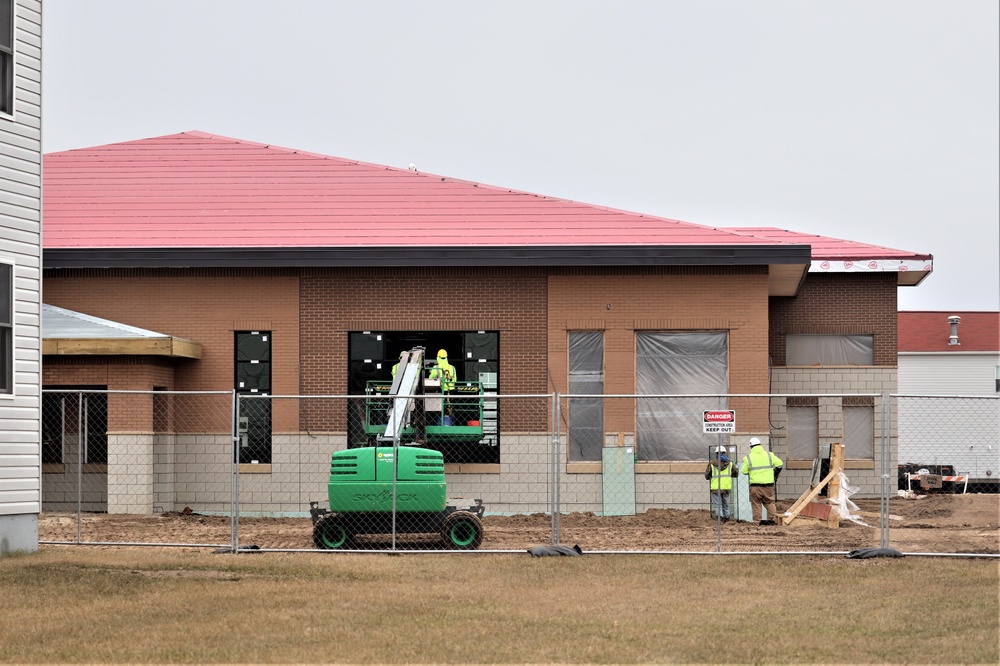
column 678, row 363
column 586, row 376
column 859, row 432
column 803, row 432
column 829, row 350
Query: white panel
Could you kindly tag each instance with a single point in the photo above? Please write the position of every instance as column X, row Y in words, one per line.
column 18, row 484
column 948, row 374
column 20, row 183
column 11, row 507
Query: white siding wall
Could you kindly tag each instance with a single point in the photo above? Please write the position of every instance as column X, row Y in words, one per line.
column 948, row 373
column 20, row 243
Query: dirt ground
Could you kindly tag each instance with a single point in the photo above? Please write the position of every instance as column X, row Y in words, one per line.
column 937, row 523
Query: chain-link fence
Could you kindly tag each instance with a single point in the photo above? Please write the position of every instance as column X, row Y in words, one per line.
column 467, row 470
column 115, row 458
column 949, row 444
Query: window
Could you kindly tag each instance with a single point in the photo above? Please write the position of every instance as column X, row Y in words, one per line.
column 678, row 363
column 859, row 428
column 6, row 328
column 253, row 377
column 803, row 428
column 75, row 414
column 829, row 350
column 7, row 56
column 476, row 358
column 586, row 376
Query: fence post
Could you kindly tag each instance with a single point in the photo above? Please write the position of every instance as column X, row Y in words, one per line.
column 886, row 462
column 234, row 482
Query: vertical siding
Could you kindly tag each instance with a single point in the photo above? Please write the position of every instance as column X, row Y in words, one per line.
column 20, row 242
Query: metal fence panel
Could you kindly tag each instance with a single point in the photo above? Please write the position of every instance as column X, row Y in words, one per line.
column 462, row 471
column 226, row 470
column 113, row 459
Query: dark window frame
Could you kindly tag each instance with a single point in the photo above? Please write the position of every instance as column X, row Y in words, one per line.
column 6, row 327
column 255, row 438
column 7, row 19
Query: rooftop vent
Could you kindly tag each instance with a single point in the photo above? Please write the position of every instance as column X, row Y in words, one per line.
column 953, row 338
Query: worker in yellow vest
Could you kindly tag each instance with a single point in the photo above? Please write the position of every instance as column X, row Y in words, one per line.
column 720, row 473
column 445, row 372
column 762, row 469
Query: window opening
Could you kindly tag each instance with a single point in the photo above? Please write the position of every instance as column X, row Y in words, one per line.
column 253, row 377
column 6, row 328
column 859, row 427
column 7, row 56
column 476, row 358
column 64, row 424
column 678, row 363
column 803, row 428
column 586, row 376
column 829, row 350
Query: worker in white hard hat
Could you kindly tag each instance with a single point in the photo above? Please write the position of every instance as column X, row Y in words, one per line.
column 762, row 469
column 720, row 473
column 394, row 367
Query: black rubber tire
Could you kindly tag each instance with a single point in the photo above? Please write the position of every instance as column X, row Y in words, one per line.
column 462, row 530
column 330, row 533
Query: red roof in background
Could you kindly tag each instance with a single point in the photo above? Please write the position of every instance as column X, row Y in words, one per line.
column 926, row 331
column 197, row 190
column 824, row 247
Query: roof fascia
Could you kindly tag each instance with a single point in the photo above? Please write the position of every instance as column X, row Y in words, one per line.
column 604, row 255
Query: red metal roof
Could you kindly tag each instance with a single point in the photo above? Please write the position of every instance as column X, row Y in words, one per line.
column 826, row 248
column 197, row 190
column 928, row 331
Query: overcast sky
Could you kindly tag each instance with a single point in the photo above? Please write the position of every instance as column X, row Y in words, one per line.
column 872, row 120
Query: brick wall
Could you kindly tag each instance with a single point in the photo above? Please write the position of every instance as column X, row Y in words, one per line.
column 203, row 305
column 337, row 301
column 623, row 301
column 839, row 304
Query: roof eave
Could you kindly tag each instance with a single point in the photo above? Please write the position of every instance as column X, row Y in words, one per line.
column 399, row 257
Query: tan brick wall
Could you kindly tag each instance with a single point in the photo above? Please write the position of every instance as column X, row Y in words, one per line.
column 206, row 306
column 621, row 302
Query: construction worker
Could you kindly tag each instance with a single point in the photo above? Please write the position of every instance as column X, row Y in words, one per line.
column 762, row 469
column 444, row 371
column 720, row 473
column 401, row 354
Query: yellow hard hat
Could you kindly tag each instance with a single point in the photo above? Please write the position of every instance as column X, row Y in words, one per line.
column 442, row 353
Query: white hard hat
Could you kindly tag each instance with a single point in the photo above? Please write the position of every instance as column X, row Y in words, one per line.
column 754, row 441
column 720, row 449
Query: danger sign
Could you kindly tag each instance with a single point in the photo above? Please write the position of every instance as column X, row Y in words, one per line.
column 719, row 420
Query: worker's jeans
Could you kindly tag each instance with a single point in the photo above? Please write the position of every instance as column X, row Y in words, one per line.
column 720, row 504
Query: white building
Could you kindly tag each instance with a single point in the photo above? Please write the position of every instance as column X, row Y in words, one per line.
column 949, row 387
column 20, row 272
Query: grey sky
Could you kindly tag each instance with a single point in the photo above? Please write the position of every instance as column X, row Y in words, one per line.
column 876, row 121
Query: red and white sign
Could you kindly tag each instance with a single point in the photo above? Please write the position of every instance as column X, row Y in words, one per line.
column 719, row 420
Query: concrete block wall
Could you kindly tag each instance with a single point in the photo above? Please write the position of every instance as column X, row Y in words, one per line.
column 130, row 474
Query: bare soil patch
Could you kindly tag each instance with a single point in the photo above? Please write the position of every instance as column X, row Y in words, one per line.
column 940, row 523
